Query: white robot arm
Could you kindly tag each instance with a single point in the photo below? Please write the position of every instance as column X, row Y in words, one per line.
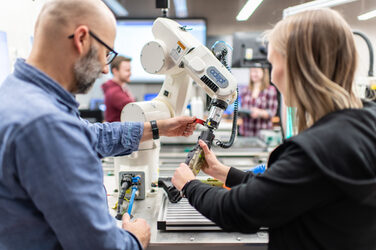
column 182, row 58
column 175, row 52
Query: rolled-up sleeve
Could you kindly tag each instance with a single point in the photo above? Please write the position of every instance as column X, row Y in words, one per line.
column 60, row 171
column 116, row 138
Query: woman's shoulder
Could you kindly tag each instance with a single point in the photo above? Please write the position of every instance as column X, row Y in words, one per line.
column 244, row 90
column 342, row 125
column 271, row 89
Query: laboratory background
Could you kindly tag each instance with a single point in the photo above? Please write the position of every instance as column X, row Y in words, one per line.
column 224, row 81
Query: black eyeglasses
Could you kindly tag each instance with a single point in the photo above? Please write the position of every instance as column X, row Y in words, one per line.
column 110, row 55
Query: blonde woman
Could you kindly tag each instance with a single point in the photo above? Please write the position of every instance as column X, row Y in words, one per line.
column 319, row 191
column 260, row 98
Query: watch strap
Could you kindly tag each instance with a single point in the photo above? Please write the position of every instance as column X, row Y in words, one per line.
column 154, row 129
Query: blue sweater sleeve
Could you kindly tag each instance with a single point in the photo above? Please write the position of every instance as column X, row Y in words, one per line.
column 60, row 171
column 115, row 138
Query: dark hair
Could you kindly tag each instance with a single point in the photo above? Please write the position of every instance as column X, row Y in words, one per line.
column 115, row 64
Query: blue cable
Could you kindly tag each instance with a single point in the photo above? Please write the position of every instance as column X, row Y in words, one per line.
column 259, row 169
column 290, row 123
column 227, row 44
column 134, row 189
column 135, row 180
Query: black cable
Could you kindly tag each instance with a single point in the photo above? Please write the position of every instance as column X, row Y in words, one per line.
column 370, row 49
column 222, row 58
column 124, row 187
column 234, row 125
column 280, row 125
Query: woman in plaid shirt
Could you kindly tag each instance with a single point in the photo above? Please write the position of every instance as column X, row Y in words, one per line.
column 261, row 99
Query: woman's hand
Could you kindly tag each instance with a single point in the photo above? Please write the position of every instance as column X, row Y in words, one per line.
column 259, row 113
column 213, row 166
column 182, row 175
column 255, row 113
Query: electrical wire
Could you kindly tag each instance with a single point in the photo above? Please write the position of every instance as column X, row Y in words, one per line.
column 221, row 56
column 370, row 49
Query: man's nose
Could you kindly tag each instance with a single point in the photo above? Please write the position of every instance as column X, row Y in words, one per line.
column 105, row 69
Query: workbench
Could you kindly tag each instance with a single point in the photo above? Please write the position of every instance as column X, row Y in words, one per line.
column 242, row 156
column 148, row 209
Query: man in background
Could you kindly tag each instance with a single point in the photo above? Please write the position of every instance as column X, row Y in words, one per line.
column 116, row 91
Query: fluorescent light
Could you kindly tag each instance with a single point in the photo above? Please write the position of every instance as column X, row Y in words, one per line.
column 313, row 5
column 367, row 15
column 248, row 10
column 116, row 7
column 181, row 8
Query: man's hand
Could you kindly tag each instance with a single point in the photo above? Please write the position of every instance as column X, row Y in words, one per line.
column 139, row 228
column 213, row 167
column 177, row 126
column 182, row 175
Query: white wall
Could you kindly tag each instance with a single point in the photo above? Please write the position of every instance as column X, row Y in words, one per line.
column 17, row 19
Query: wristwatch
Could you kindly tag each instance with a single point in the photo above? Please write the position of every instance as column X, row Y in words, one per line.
column 154, row 129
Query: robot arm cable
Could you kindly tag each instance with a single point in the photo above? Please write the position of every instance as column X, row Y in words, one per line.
column 221, row 56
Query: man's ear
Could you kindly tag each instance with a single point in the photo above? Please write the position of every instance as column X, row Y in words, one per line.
column 81, row 39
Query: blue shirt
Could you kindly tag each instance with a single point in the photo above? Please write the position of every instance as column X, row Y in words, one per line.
column 51, row 180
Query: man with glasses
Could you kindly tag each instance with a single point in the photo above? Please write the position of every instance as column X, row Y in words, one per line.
column 51, row 180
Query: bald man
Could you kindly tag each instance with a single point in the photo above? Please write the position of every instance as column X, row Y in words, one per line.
column 51, row 179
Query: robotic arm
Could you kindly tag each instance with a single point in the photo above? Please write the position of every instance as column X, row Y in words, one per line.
column 175, row 52
column 181, row 57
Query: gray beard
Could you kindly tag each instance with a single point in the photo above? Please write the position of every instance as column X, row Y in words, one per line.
column 86, row 71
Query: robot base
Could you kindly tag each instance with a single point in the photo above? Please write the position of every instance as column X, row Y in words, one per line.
column 141, row 188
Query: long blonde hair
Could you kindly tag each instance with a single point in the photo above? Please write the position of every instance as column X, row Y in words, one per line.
column 265, row 82
column 321, row 60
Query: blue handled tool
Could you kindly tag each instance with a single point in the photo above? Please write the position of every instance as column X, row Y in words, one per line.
column 135, row 181
column 128, row 181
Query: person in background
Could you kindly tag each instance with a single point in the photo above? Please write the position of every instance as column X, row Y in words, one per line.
column 51, row 178
column 260, row 98
column 319, row 190
column 116, row 91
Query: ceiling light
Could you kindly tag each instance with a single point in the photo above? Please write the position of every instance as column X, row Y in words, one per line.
column 367, row 15
column 181, row 8
column 116, row 7
column 313, row 5
column 248, row 9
